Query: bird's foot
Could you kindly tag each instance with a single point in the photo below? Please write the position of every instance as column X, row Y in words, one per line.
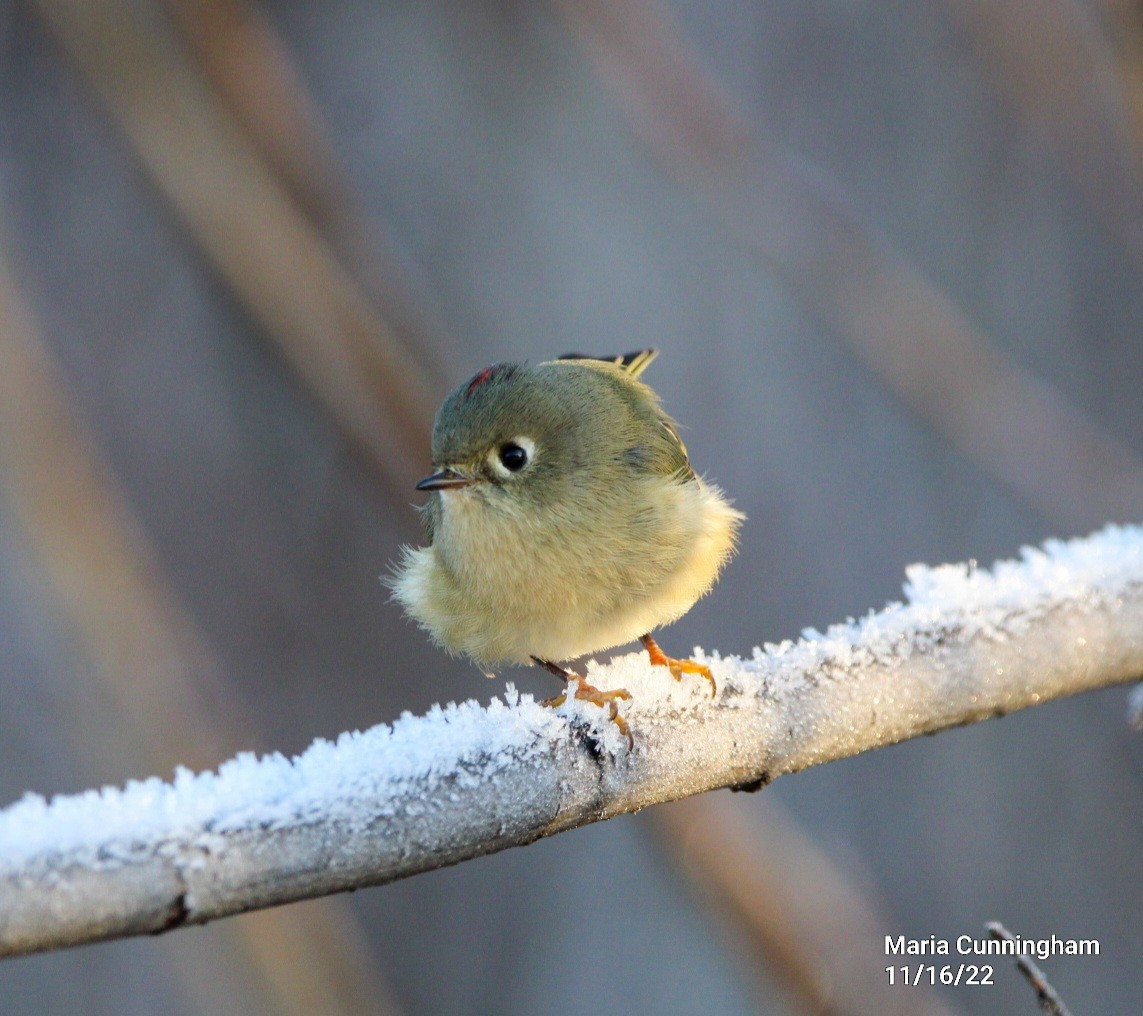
column 677, row 667
column 589, row 693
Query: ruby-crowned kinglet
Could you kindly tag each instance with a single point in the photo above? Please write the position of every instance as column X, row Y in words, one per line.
column 564, row 518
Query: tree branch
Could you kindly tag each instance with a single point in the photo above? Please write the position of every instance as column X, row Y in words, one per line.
column 467, row 780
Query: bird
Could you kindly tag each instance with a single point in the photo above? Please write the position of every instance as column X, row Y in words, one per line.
column 564, row 518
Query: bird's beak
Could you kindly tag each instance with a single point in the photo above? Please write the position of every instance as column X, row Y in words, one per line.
column 445, row 479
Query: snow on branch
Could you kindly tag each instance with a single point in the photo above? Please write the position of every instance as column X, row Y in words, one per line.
column 468, row 780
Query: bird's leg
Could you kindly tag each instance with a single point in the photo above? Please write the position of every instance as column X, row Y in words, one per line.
column 589, row 693
column 676, row 667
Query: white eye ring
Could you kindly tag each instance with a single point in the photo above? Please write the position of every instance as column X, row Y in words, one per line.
column 512, row 457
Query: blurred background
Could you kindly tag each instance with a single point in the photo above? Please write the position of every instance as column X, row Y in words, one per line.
column 892, row 256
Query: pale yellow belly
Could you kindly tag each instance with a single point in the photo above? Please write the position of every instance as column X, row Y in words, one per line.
column 499, row 608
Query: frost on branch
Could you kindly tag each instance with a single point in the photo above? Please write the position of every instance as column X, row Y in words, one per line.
column 466, row 780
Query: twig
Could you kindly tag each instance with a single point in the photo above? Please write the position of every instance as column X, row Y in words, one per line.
column 1054, row 64
column 1050, row 1002
column 465, row 781
column 244, row 220
column 852, row 278
column 258, row 81
column 805, row 920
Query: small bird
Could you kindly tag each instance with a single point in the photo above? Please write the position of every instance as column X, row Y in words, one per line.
column 564, row 518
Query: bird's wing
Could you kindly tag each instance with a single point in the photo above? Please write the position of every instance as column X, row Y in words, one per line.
column 672, row 454
column 633, row 363
column 666, row 453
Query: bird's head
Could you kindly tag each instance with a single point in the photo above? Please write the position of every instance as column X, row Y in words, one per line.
column 514, row 434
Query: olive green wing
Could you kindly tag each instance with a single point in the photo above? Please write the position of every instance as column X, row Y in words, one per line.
column 678, row 451
column 663, row 452
column 669, row 454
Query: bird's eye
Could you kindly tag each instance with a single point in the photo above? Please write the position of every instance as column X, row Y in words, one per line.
column 513, row 457
column 509, row 458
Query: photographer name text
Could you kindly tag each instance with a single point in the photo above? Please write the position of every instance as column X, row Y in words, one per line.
column 967, row 945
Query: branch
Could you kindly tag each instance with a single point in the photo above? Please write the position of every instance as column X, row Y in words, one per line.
column 1050, row 1001
column 464, row 780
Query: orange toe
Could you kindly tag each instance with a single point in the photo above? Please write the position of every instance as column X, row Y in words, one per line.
column 589, row 693
column 677, row 667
